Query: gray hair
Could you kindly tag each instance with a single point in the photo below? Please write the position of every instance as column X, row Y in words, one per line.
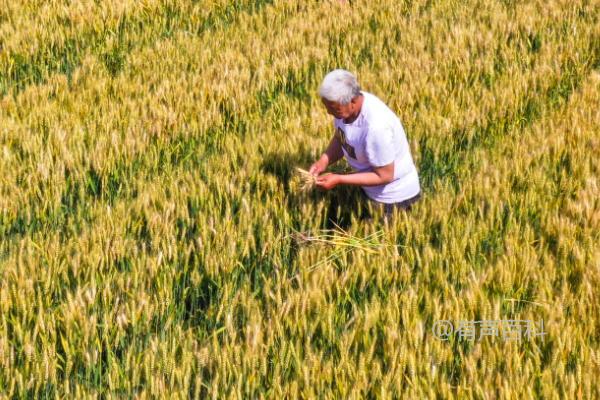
column 339, row 86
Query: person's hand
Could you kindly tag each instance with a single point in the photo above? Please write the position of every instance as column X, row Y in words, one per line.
column 317, row 167
column 328, row 181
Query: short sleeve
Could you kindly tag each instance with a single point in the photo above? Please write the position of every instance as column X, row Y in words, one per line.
column 379, row 147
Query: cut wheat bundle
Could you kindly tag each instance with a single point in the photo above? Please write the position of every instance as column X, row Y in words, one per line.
column 307, row 180
column 343, row 242
column 340, row 238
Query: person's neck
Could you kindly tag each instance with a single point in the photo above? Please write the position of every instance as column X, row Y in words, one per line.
column 354, row 116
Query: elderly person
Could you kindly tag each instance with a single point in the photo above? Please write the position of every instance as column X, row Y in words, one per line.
column 371, row 138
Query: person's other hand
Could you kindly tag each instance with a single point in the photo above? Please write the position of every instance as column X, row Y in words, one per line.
column 317, row 168
column 328, row 181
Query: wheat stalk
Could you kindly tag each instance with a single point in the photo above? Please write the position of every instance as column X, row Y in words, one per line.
column 307, row 180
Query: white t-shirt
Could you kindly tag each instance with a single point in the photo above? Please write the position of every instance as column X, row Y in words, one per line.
column 374, row 139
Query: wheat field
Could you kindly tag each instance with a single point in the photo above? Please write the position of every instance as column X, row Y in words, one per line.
column 150, row 208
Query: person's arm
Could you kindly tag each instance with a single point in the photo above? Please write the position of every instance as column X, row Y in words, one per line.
column 379, row 150
column 379, row 176
column 333, row 154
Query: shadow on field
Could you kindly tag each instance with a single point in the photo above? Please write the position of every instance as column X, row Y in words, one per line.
column 281, row 165
column 343, row 201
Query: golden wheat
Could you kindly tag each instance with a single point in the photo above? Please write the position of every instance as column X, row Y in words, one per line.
column 157, row 239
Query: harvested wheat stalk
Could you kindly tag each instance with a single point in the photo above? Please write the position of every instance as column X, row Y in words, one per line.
column 307, row 180
column 340, row 238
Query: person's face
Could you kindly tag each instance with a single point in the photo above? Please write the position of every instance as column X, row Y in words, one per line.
column 340, row 111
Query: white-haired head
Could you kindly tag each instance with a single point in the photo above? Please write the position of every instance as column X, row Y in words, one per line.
column 339, row 86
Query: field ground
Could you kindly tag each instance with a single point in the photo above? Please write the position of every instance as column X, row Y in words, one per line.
column 150, row 211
